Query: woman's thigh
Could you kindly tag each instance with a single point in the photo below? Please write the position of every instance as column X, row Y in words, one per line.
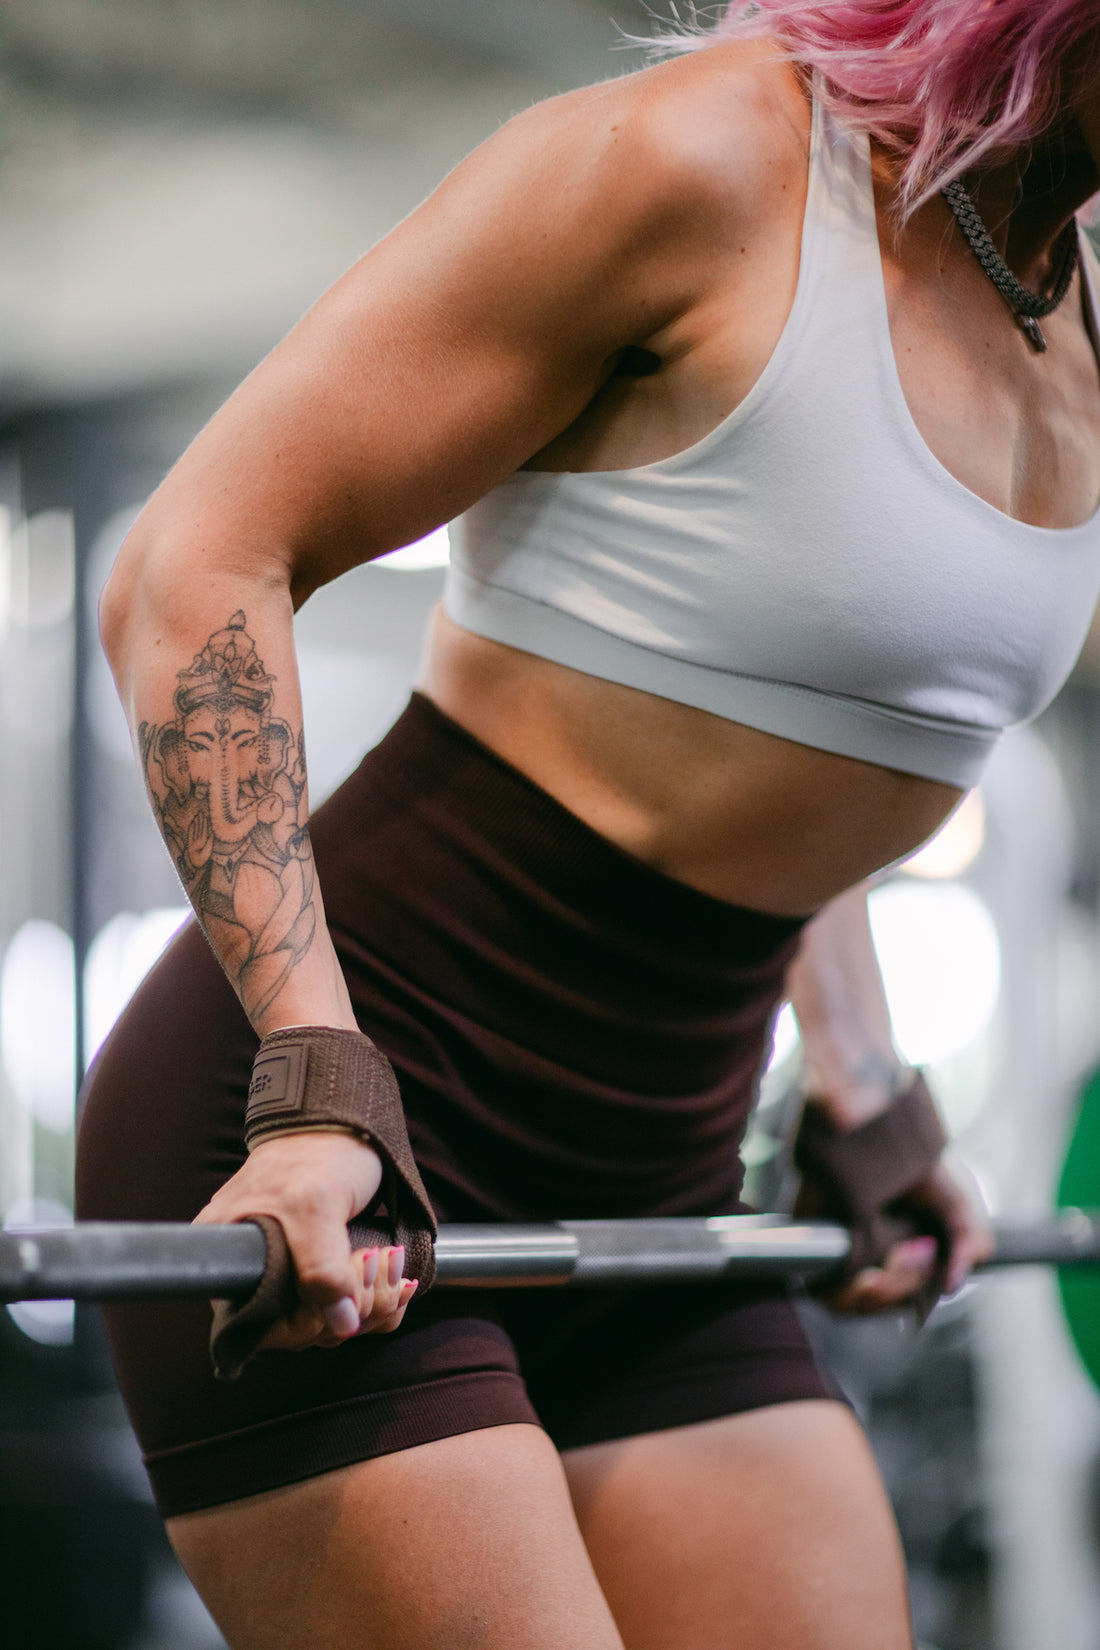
column 467, row 1543
column 768, row 1530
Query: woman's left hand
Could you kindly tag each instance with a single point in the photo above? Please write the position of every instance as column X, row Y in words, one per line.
column 952, row 1203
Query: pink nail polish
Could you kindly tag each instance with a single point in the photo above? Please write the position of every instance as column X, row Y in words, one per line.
column 342, row 1317
column 370, row 1270
column 397, row 1264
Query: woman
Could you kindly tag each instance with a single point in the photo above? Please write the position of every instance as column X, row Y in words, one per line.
column 772, row 519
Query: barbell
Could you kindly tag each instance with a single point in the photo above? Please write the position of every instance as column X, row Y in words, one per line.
column 103, row 1260
column 117, row 1261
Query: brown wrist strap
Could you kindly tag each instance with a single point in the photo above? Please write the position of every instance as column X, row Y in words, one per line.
column 315, row 1075
column 860, row 1176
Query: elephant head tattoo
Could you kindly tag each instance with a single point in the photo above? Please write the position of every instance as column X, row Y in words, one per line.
column 228, row 784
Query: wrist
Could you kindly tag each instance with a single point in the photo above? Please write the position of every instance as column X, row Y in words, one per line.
column 297, row 1007
column 852, row 1093
column 314, row 994
column 345, row 1129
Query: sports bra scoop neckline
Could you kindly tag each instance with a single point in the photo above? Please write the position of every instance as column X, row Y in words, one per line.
column 809, row 566
column 1090, row 276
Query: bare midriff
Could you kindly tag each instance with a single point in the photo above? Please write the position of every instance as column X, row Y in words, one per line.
column 736, row 813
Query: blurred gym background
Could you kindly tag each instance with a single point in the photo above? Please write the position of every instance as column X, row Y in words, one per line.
column 177, row 182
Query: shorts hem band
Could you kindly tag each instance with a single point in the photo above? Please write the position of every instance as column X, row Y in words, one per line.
column 275, row 1454
column 659, row 1405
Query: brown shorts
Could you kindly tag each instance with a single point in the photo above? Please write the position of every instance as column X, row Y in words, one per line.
column 575, row 1034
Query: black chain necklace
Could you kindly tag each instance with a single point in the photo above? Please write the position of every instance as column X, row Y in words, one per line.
column 1028, row 307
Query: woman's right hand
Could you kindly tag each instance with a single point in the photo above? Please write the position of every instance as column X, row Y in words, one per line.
column 313, row 1184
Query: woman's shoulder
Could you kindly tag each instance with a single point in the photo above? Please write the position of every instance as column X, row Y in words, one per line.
column 724, row 121
column 718, row 130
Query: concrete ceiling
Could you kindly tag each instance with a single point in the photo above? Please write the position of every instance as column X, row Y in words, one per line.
column 178, row 181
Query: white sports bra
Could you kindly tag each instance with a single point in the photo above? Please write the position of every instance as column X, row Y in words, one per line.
column 808, row 568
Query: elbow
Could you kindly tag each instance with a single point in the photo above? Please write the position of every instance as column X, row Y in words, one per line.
column 142, row 589
column 115, row 603
column 112, row 619
column 169, row 584
column 118, row 602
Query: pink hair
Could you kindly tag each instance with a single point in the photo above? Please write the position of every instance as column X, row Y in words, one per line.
column 943, row 84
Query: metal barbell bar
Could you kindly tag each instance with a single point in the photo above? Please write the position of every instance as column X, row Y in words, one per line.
column 96, row 1260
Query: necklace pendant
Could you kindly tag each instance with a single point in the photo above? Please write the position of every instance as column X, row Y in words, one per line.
column 1033, row 332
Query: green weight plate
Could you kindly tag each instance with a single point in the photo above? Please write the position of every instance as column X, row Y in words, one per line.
column 1079, row 1188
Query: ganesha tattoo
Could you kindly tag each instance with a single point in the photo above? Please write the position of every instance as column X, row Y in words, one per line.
column 228, row 785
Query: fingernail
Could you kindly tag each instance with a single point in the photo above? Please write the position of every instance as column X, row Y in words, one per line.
column 397, row 1264
column 342, row 1317
column 370, row 1270
column 412, row 1285
column 921, row 1250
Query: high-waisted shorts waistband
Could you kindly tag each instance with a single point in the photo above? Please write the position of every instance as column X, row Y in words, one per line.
column 577, row 1033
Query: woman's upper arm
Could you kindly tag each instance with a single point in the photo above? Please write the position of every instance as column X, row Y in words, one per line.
column 457, row 347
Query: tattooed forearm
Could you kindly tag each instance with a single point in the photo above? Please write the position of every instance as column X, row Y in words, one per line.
column 228, row 785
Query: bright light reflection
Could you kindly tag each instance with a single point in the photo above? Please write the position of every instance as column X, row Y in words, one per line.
column 941, row 963
column 5, row 567
column 785, row 1037
column 38, row 1022
column 955, row 846
column 42, row 575
column 48, row 1322
column 119, row 958
column 432, row 551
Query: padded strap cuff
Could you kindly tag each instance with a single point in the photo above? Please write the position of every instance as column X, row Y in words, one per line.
column 314, row 1075
column 859, row 1175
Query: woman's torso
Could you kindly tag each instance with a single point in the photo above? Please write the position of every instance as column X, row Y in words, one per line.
column 739, row 813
